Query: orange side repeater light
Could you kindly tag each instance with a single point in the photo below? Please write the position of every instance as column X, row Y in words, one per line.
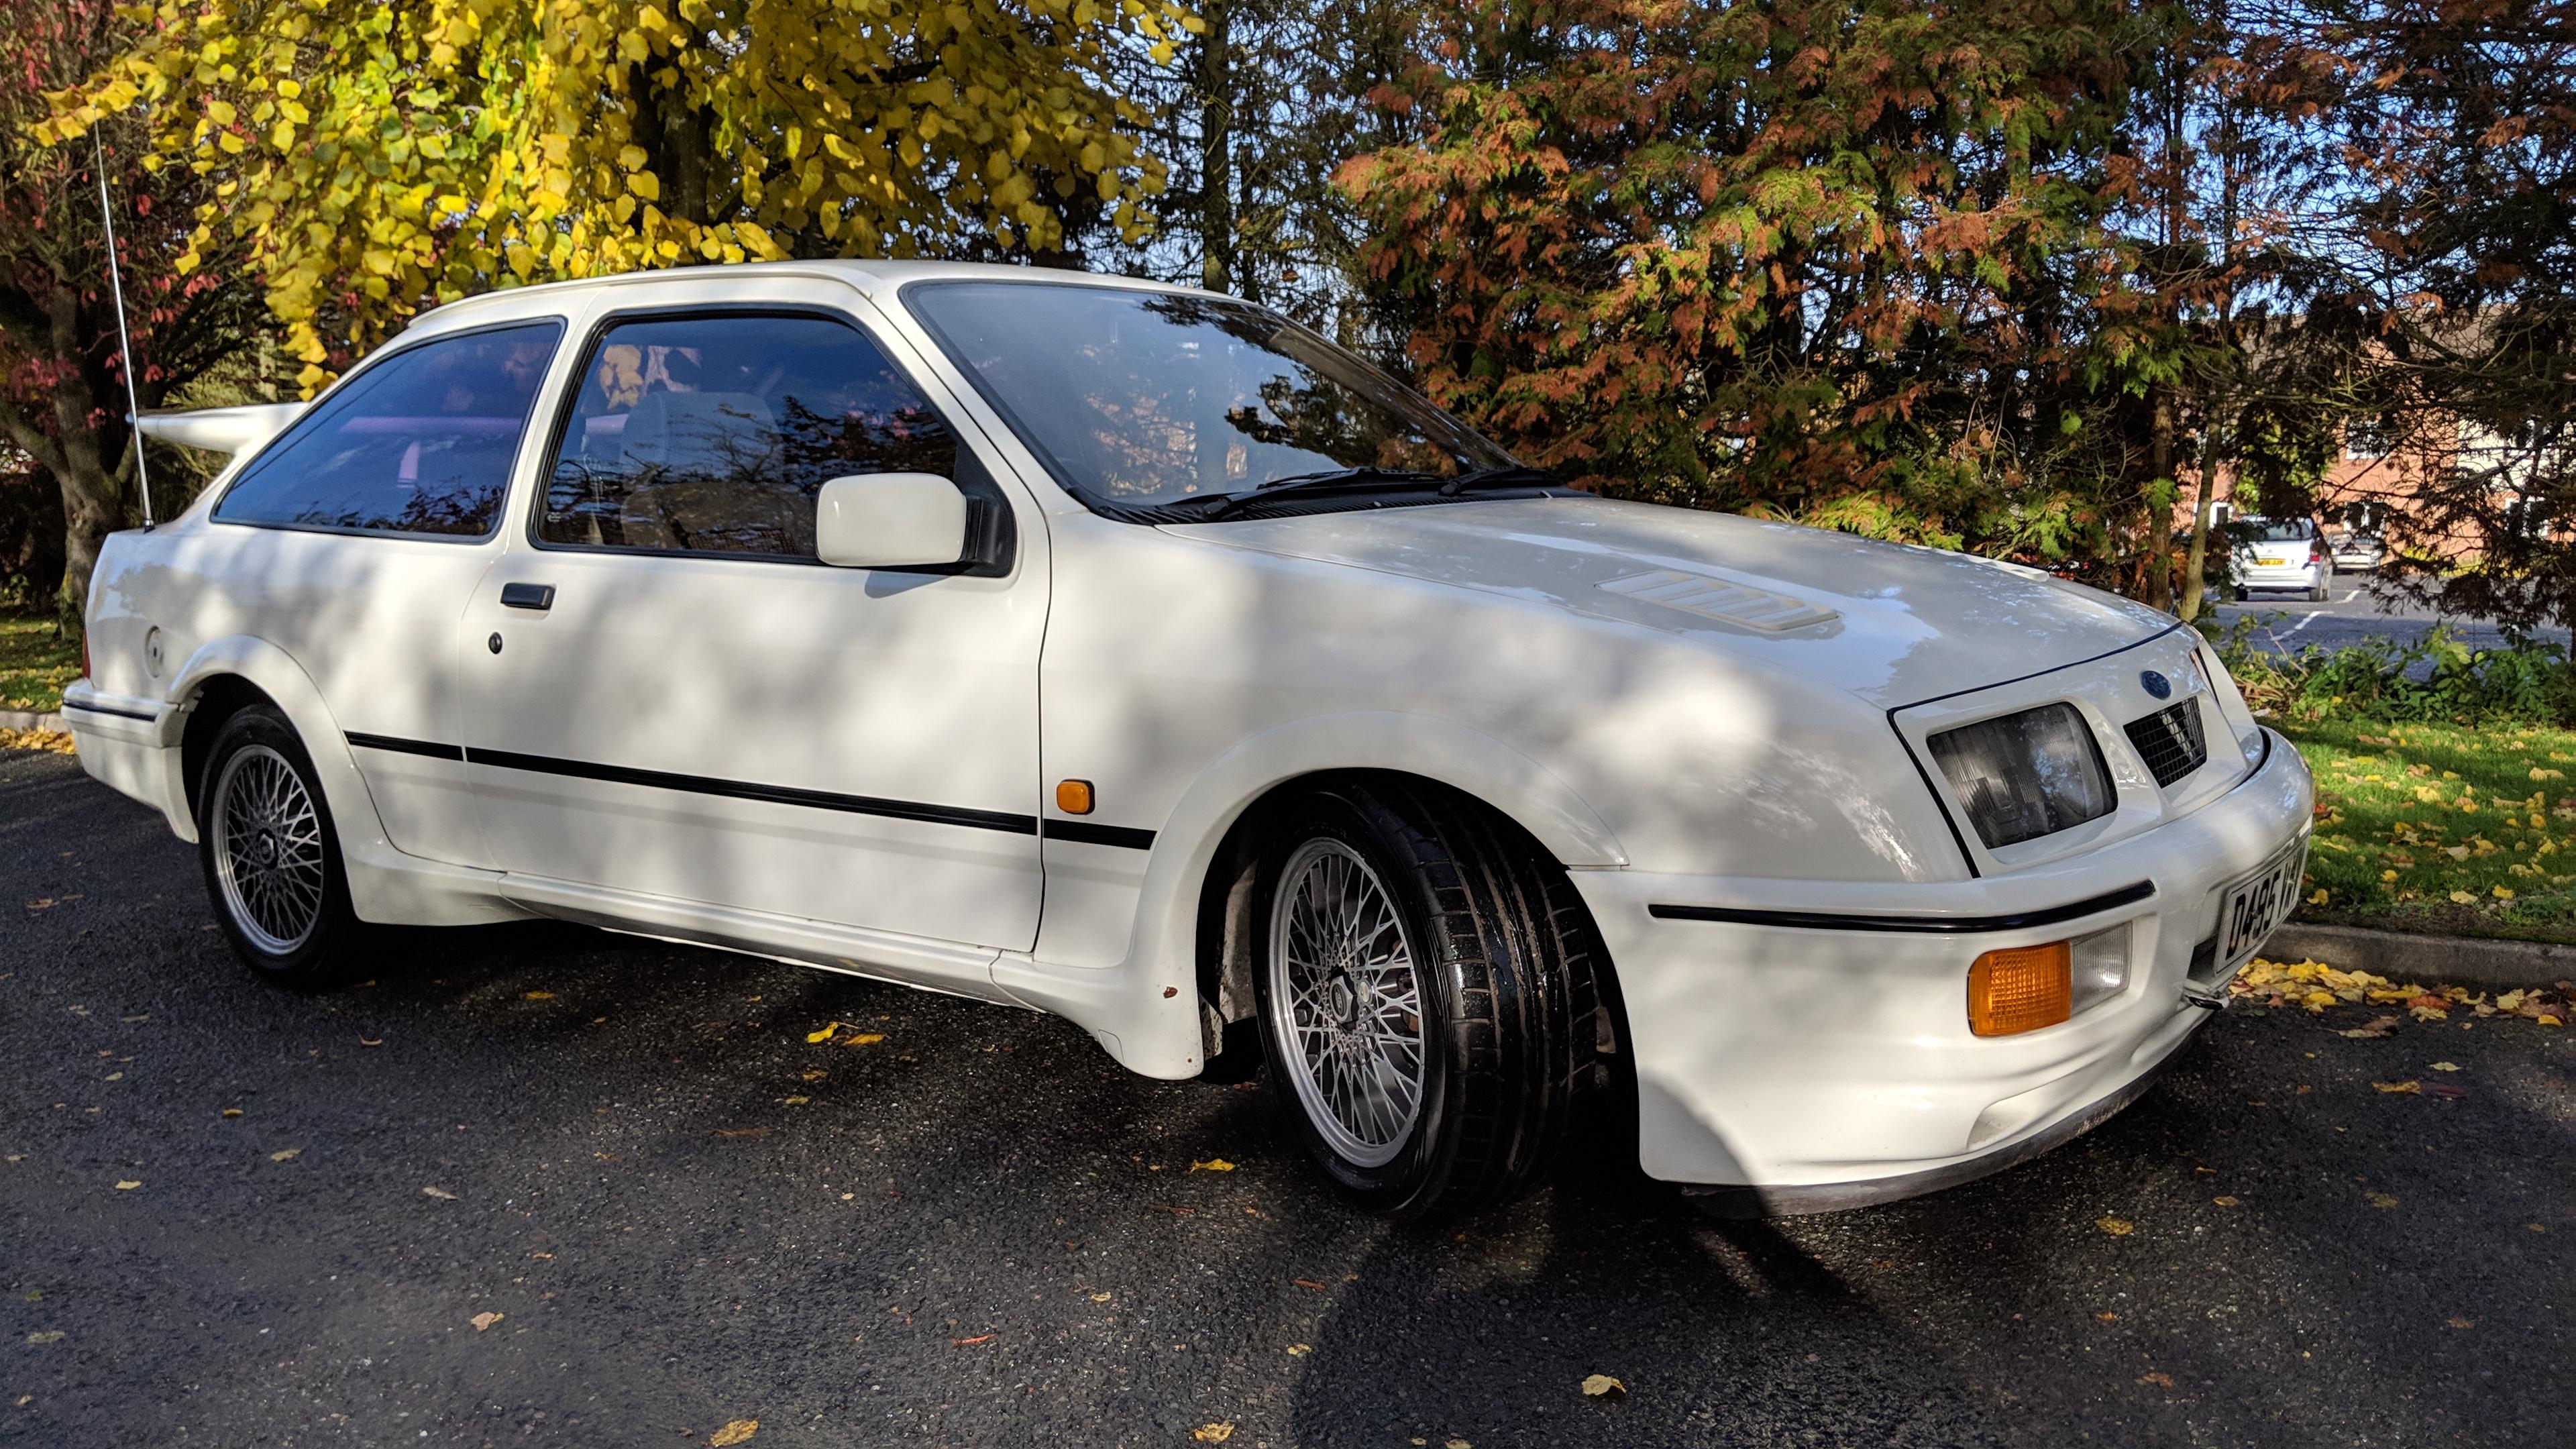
column 2021, row 988
column 1073, row 797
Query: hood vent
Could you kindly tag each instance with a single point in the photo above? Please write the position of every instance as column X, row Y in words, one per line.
column 1728, row 603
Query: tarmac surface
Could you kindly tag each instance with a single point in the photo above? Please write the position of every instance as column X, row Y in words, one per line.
column 670, row 1212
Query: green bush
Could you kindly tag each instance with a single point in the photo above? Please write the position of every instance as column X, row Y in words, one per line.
column 2435, row 680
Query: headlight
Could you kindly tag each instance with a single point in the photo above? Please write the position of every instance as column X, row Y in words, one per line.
column 2026, row 775
column 2231, row 702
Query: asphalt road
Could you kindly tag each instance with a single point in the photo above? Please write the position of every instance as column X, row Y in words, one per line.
column 2355, row 609
column 980, row 1231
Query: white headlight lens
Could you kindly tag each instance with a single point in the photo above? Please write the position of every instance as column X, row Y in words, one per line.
column 2026, row 775
column 2101, row 967
column 2231, row 702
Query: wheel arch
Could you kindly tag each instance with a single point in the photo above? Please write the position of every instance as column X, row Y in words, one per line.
column 1223, row 929
column 1270, row 771
column 227, row 675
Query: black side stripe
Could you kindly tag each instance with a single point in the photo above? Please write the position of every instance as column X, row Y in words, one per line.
column 774, row 794
column 1084, row 832
column 996, row 820
column 1935, row 925
column 408, row 747
column 103, row 709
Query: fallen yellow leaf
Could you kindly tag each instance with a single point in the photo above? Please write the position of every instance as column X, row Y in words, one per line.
column 2379, row 1199
column 825, row 1034
column 864, row 1038
column 1216, row 1433
column 285, row 1154
column 1300, row 1350
column 2407, row 1088
column 2116, row 1227
column 2226, row 1201
column 541, row 996
column 482, row 1321
column 232, row 1111
column 127, row 1186
column 1213, row 1164
column 737, row 1432
column 2446, row 1066
column 1602, row 1386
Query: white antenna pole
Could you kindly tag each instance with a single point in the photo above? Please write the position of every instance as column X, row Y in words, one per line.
column 124, row 340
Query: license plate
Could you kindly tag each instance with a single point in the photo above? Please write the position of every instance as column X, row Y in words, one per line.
column 2273, row 561
column 2257, row 905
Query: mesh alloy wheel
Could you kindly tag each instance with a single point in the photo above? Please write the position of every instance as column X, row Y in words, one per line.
column 268, row 850
column 1343, row 989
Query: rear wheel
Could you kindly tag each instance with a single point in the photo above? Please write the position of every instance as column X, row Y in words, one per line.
column 271, row 858
column 1426, row 991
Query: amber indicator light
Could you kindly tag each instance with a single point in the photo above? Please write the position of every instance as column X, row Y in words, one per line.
column 2022, row 988
column 1073, row 797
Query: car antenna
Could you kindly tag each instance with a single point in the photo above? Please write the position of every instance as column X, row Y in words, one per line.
column 124, row 339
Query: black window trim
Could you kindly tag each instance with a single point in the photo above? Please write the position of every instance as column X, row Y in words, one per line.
column 382, row 355
column 1147, row 514
column 597, row 332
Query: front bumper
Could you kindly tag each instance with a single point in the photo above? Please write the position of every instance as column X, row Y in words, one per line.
column 1829, row 1065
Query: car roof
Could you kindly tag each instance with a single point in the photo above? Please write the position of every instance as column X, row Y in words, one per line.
column 877, row 279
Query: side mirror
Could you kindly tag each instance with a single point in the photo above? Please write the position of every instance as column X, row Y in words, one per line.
column 890, row 521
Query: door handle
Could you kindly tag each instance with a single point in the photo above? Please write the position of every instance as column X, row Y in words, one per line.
column 540, row 597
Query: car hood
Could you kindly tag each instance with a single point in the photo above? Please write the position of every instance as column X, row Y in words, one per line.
column 1892, row 623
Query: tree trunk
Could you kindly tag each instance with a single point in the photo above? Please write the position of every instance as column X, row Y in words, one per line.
column 2160, row 449
column 2197, row 560
column 85, row 422
column 1216, row 149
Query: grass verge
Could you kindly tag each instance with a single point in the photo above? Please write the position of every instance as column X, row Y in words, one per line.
column 2442, row 829
column 35, row 662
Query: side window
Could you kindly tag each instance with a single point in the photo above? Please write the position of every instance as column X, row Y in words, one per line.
column 714, row 434
column 420, row 442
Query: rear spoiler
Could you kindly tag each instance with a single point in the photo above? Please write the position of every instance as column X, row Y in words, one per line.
column 221, row 430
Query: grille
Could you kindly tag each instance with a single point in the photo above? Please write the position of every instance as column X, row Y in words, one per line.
column 2170, row 741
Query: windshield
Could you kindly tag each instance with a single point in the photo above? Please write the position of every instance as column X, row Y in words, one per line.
column 2284, row 530
column 1136, row 399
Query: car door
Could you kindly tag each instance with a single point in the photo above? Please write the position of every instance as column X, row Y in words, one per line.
column 354, row 542
column 668, row 694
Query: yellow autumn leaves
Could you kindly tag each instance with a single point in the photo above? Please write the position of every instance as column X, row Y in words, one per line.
column 379, row 158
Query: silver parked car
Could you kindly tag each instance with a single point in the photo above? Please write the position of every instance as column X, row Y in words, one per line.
column 2282, row 553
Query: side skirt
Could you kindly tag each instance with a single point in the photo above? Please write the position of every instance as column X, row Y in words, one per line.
column 877, row 955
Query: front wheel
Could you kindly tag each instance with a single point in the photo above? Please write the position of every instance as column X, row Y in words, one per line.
column 271, row 858
column 1427, row 995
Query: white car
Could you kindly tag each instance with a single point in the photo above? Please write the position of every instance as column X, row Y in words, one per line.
column 2283, row 553
column 1129, row 653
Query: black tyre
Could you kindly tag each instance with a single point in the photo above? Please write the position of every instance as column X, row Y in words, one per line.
column 271, row 858
column 1426, row 986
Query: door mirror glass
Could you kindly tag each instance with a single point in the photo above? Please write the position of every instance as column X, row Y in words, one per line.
column 890, row 521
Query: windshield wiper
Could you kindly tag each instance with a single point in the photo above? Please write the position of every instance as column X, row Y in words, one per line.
column 1329, row 480
column 1508, row 475
column 1221, row 505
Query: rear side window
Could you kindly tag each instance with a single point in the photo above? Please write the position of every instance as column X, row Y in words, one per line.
column 713, row 434
column 420, row 442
